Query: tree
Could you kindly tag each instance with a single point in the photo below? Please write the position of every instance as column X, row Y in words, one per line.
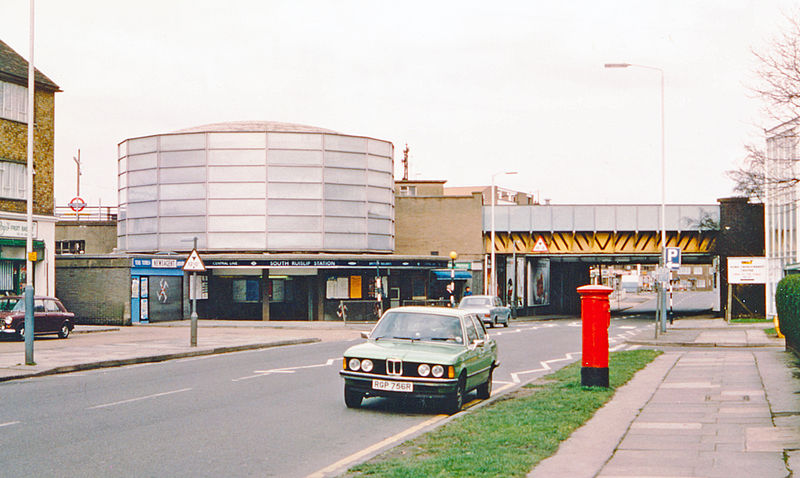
column 778, row 86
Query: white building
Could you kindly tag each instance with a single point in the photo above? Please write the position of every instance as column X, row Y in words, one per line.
column 781, row 212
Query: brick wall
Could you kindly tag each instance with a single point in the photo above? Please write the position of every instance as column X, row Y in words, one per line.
column 96, row 289
column 100, row 236
column 440, row 224
column 14, row 145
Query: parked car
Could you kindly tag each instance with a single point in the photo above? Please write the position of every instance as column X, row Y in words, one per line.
column 49, row 317
column 435, row 353
column 488, row 308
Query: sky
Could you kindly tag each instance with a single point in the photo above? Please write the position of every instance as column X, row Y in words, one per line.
column 474, row 88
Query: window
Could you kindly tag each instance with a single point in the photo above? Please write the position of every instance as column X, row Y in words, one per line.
column 12, row 180
column 13, row 102
column 70, row 247
column 408, row 190
column 472, row 334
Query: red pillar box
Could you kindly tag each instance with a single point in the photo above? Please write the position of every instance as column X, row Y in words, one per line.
column 596, row 317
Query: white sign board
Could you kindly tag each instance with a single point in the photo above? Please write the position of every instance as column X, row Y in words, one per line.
column 747, row 270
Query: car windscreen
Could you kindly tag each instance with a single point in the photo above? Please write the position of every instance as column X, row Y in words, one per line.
column 419, row 326
column 475, row 301
column 19, row 306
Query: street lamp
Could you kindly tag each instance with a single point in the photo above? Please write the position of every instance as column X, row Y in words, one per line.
column 662, row 296
column 493, row 281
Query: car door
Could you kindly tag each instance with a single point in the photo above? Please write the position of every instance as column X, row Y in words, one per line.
column 39, row 316
column 488, row 352
column 54, row 314
column 474, row 355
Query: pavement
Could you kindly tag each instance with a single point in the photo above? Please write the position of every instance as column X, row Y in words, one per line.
column 722, row 401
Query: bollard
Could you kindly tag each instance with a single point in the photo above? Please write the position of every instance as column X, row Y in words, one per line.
column 595, row 317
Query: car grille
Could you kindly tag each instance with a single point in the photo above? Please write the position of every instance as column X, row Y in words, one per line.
column 395, row 367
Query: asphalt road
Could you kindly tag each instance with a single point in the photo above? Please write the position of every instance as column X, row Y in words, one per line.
column 274, row 412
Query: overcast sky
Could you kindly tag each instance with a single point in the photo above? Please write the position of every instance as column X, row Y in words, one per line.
column 474, row 88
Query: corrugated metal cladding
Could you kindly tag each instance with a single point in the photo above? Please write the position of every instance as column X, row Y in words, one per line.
column 597, row 218
column 280, row 189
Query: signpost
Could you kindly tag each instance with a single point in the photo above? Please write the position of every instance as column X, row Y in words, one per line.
column 744, row 270
column 194, row 265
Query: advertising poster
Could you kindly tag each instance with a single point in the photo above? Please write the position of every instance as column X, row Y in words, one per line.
column 539, row 290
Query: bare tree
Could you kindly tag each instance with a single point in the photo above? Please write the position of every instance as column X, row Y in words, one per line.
column 778, row 86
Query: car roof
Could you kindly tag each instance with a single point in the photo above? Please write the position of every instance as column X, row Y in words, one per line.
column 419, row 309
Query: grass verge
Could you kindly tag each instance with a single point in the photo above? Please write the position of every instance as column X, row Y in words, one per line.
column 511, row 435
column 750, row 320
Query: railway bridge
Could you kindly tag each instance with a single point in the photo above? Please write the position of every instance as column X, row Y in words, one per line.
column 543, row 252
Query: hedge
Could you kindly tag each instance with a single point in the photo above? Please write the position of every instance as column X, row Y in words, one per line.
column 787, row 301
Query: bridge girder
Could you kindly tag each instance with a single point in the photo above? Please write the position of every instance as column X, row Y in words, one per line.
column 601, row 243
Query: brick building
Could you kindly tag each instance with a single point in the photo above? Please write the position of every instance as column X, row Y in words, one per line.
column 13, row 174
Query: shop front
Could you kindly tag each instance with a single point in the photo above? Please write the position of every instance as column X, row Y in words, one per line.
column 156, row 289
column 313, row 289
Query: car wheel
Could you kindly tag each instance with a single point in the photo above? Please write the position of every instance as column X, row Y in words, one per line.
column 494, row 322
column 508, row 319
column 352, row 398
column 21, row 332
column 485, row 389
column 456, row 401
column 64, row 332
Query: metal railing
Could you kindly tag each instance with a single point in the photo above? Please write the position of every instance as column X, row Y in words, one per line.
column 88, row 213
column 428, row 302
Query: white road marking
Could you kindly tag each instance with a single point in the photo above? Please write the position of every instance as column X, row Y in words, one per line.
column 9, row 423
column 264, row 373
column 347, row 461
column 545, row 366
column 130, row 400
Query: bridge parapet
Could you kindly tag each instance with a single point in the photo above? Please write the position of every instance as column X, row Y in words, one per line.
column 594, row 218
column 606, row 229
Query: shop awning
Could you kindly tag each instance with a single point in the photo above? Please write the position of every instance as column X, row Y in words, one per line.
column 459, row 275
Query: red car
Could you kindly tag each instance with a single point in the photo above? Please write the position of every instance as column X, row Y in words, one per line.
column 49, row 316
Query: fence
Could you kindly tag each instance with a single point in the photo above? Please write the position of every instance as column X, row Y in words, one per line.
column 88, row 213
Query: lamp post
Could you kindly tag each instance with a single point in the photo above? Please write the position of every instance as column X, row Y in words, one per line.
column 493, row 281
column 662, row 316
column 452, row 286
column 31, row 255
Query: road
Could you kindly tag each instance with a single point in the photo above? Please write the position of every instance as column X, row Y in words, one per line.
column 274, row 412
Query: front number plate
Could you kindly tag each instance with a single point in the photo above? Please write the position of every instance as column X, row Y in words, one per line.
column 392, row 386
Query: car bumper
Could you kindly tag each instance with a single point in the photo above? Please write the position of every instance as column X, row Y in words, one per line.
column 422, row 388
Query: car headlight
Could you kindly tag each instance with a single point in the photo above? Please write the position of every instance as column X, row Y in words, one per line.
column 8, row 320
column 354, row 364
column 437, row 371
column 366, row 365
column 424, row 370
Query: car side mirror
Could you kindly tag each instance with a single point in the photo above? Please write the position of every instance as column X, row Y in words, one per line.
column 478, row 342
column 364, row 335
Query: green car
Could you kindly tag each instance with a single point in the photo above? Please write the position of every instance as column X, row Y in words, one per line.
column 422, row 352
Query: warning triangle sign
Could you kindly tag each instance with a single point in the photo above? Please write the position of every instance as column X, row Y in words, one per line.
column 540, row 245
column 194, row 263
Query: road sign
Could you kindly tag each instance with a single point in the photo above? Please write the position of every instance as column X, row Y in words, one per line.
column 672, row 258
column 77, row 204
column 540, row 245
column 194, row 263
